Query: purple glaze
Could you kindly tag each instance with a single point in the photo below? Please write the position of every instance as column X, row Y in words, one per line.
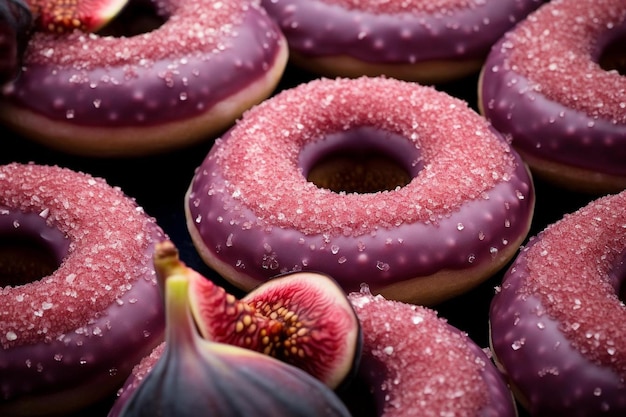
column 554, row 378
column 32, row 226
column 546, row 129
column 64, row 365
column 101, row 353
column 133, row 93
column 98, row 354
column 470, row 237
column 319, row 28
column 407, row 333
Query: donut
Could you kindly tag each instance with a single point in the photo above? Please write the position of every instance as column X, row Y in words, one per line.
column 556, row 87
column 418, row 197
column 557, row 322
column 413, row 363
column 178, row 84
column 416, row 363
column 425, row 41
column 80, row 301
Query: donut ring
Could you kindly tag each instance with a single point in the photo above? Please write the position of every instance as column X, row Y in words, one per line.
column 252, row 213
column 425, row 41
column 404, row 374
column 415, row 363
column 70, row 338
column 543, row 86
column 549, row 326
column 116, row 96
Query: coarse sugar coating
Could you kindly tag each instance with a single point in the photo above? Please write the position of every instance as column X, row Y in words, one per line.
column 558, row 51
column 252, row 211
column 580, row 283
column 263, row 170
column 70, row 336
column 415, row 363
column 554, row 85
column 101, row 223
column 168, row 86
column 410, row 6
column 560, row 312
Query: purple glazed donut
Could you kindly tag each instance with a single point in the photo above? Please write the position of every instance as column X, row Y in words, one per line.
column 425, row 41
column 558, row 323
column 71, row 332
column 253, row 210
column 553, row 85
column 416, row 364
column 180, row 83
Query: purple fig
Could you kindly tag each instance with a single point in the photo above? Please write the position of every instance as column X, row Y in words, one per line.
column 303, row 318
column 194, row 376
column 15, row 27
column 60, row 16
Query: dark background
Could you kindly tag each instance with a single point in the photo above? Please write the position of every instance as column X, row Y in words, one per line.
column 158, row 183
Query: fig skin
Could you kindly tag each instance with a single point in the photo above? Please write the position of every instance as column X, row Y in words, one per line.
column 302, row 318
column 16, row 22
column 194, row 376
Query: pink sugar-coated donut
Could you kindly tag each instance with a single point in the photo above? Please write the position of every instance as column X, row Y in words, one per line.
column 543, row 85
column 416, row 364
column 425, row 41
column 558, row 323
column 70, row 338
column 413, row 361
column 252, row 213
column 176, row 85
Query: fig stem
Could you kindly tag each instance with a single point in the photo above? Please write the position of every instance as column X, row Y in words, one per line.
column 167, row 262
column 180, row 329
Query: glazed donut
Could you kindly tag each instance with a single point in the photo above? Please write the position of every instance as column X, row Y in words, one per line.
column 415, row 363
column 460, row 212
column 178, row 84
column 557, row 324
column 425, row 41
column 548, row 85
column 80, row 301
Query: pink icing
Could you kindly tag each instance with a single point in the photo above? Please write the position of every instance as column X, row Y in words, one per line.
column 176, row 37
column 417, row 364
column 405, row 6
column 254, row 210
column 101, row 223
column 260, row 159
column 83, row 326
column 203, row 53
column 557, row 49
column 576, row 285
column 559, row 314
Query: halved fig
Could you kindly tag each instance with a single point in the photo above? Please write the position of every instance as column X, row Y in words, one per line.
column 61, row 16
column 196, row 377
column 302, row 318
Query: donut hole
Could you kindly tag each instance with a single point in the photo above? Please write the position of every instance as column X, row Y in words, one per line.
column 137, row 17
column 29, row 248
column 613, row 56
column 617, row 277
column 361, row 160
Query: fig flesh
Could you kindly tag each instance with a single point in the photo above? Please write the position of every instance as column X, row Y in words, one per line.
column 302, row 318
column 60, row 16
column 16, row 22
column 194, row 376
